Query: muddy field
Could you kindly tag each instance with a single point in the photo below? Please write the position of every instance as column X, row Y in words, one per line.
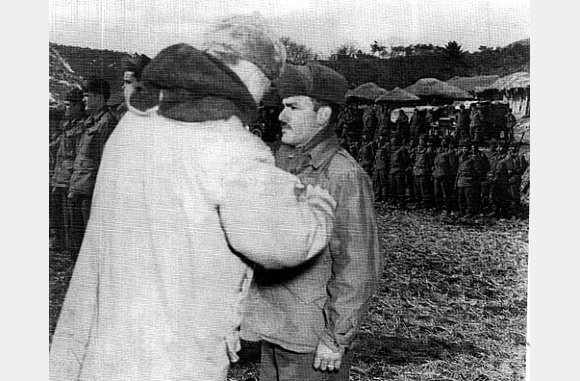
column 451, row 303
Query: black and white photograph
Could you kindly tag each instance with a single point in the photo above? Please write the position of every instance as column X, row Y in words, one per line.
column 297, row 190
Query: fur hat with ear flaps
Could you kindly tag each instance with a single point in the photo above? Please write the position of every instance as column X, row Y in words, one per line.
column 313, row 80
column 196, row 87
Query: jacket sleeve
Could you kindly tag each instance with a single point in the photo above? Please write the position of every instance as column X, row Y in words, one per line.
column 267, row 214
column 356, row 260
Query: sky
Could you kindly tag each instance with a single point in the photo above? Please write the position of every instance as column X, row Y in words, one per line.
column 147, row 26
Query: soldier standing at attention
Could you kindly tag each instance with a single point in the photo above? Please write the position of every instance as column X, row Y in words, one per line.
column 307, row 317
column 398, row 165
column 422, row 172
column 70, row 213
column 444, row 170
column 467, row 181
column 98, row 126
column 381, row 170
column 366, row 154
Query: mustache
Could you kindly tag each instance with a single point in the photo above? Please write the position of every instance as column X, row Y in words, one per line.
column 283, row 124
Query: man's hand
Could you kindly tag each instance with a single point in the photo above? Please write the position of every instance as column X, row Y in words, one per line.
column 327, row 359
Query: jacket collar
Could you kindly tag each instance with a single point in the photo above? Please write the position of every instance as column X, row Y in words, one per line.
column 319, row 150
column 96, row 115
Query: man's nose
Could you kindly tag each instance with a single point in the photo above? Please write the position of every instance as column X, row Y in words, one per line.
column 282, row 116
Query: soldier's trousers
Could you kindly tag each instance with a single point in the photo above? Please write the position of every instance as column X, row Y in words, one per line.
column 279, row 364
column 514, row 195
column 381, row 183
column 468, row 199
column 398, row 185
column 71, row 219
column 423, row 190
column 500, row 198
column 410, row 179
column 443, row 190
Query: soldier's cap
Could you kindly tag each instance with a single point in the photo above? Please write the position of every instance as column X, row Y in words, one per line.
column 98, row 86
column 315, row 81
column 74, row 95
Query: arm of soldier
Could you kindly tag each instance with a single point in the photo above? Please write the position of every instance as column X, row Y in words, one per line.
column 107, row 125
column 270, row 217
column 356, row 263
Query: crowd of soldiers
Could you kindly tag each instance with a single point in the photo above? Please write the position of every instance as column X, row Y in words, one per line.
column 76, row 145
column 415, row 165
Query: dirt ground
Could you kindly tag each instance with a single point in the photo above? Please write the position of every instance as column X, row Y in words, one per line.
column 451, row 304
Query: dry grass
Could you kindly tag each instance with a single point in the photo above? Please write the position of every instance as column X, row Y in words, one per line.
column 451, row 304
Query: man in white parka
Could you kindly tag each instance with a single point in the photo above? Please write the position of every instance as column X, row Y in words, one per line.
column 186, row 199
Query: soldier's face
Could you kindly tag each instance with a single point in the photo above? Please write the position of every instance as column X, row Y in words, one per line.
column 128, row 80
column 94, row 101
column 299, row 120
column 74, row 109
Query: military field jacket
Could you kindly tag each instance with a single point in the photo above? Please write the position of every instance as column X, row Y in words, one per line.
column 325, row 298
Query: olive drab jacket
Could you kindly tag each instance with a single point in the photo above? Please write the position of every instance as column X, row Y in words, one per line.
column 423, row 165
column 181, row 211
column 399, row 160
column 468, row 173
column 445, row 164
column 326, row 297
column 97, row 128
column 66, row 152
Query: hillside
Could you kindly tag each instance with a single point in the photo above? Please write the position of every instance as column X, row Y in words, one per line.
column 86, row 62
column 70, row 64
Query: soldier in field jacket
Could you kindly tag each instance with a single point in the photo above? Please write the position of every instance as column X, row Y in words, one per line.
column 97, row 128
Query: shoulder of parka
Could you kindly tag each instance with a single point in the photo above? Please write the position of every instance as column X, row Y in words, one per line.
column 230, row 141
column 343, row 168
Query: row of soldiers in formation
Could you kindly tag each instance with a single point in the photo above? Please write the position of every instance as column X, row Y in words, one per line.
column 76, row 145
column 444, row 178
column 465, row 123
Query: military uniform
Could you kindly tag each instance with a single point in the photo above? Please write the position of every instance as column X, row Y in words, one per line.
column 69, row 216
column 468, row 184
column 498, row 179
column 516, row 166
column 381, row 172
column 398, row 165
column 366, row 157
column 422, row 172
column 444, row 170
column 97, row 128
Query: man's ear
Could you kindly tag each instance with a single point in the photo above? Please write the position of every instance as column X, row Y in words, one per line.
column 323, row 116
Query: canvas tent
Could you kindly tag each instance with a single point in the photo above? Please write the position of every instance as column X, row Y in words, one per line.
column 436, row 91
column 367, row 92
